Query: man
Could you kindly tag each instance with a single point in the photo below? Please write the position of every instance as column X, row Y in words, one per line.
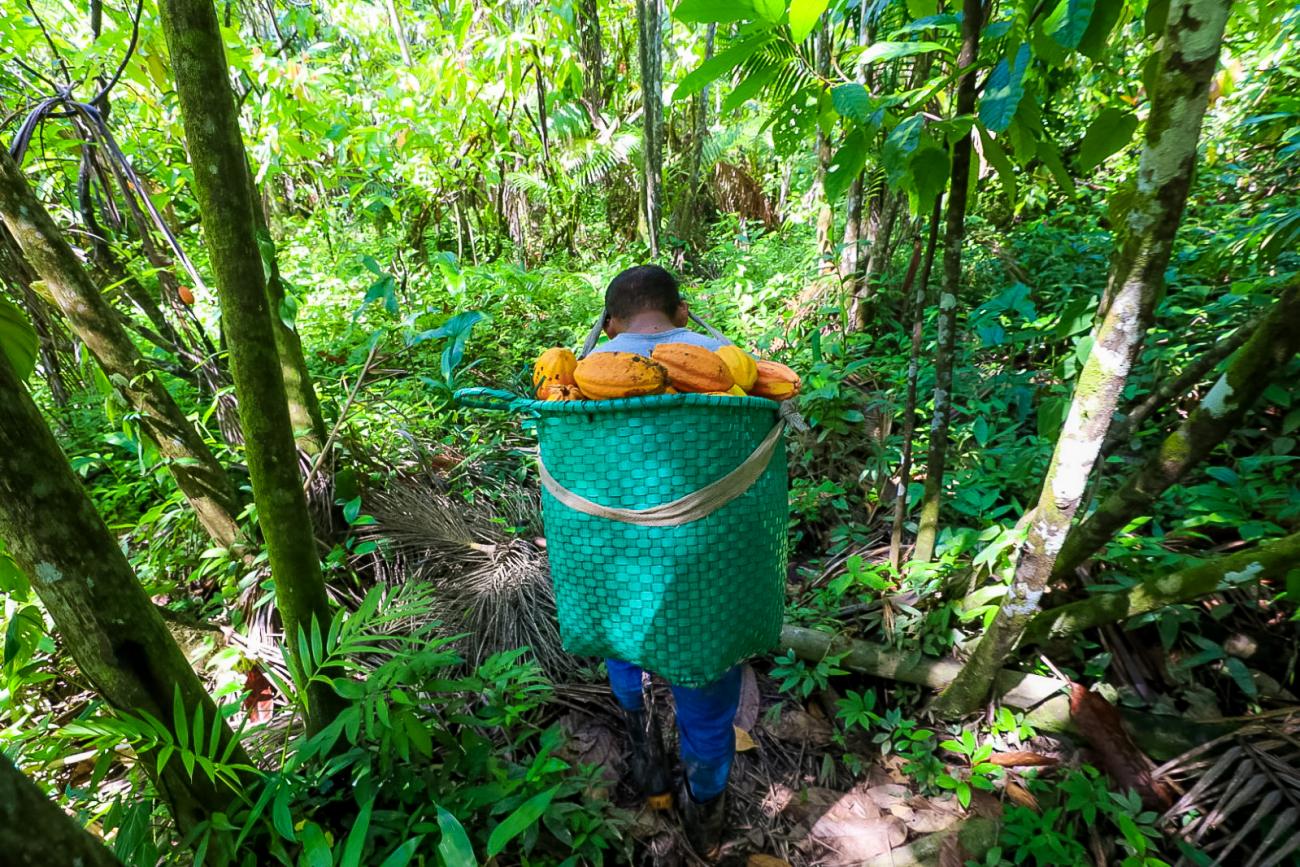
column 644, row 308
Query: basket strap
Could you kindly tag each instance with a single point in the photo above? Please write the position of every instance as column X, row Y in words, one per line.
column 594, row 334
column 692, row 507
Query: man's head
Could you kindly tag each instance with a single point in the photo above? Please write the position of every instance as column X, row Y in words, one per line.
column 643, row 298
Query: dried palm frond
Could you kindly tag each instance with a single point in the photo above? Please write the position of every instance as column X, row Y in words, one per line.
column 493, row 586
column 1242, row 799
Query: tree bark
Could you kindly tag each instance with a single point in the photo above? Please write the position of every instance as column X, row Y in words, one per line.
column 1271, row 560
column 684, row 219
column 919, row 295
column 954, row 234
column 593, row 58
column 652, row 73
column 877, row 257
column 395, row 20
column 825, row 215
column 34, row 832
column 1192, row 37
column 225, row 195
column 1270, row 347
column 851, row 247
column 102, row 614
column 198, row 475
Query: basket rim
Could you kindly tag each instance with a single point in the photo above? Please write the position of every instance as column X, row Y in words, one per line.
column 586, row 407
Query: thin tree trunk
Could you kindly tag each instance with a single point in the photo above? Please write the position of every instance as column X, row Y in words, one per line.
column 34, row 832
column 1268, row 351
column 225, row 206
column 198, row 475
column 21, row 277
column 825, row 215
column 954, row 234
column 876, row 259
column 851, row 250
column 304, row 408
column 684, row 216
column 1271, row 560
column 593, row 58
column 395, row 20
column 1192, row 38
column 103, row 617
column 652, row 180
column 919, row 294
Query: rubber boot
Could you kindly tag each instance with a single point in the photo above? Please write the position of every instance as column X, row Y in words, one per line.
column 646, row 766
column 704, row 822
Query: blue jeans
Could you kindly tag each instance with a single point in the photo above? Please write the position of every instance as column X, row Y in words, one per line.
column 705, row 721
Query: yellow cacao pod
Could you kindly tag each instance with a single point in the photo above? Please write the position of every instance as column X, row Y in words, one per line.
column 693, row 368
column 775, row 381
column 734, row 391
column 744, row 369
column 608, row 375
column 559, row 391
column 553, row 367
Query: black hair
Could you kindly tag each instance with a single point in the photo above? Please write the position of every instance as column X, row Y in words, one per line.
column 645, row 287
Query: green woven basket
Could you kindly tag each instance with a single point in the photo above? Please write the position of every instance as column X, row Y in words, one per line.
column 686, row 602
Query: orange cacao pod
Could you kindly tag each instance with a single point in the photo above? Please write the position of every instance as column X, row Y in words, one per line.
column 562, row 392
column 607, row 375
column 775, row 381
column 553, row 367
column 693, row 368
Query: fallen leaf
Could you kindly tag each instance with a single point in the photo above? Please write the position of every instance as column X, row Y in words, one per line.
column 747, row 712
column 852, row 839
column 1103, row 727
column 757, row 860
column 930, row 821
column 743, row 741
column 257, row 704
column 797, row 725
column 1022, row 796
column 889, row 794
column 1021, row 759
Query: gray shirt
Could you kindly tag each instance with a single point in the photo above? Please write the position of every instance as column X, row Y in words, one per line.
column 644, row 344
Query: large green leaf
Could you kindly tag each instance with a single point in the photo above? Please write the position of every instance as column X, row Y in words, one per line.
column 852, row 101
column 900, row 144
column 454, row 848
column 1104, row 15
column 749, row 87
column 1051, row 157
column 1107, row 134
column 1069, row 21
column 714, row 67
column 997, row 157
column 1005, row 87
column 17, row 339
column 714, row 11
column 770, row 11
column 804, row 15
column 524, row 816
column 846, row 165
column 930, row 169
column 879, row 51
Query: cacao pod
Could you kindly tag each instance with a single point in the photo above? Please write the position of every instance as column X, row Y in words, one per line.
column 553, row 367
column 609, row 375
column 775, row 381
column 562, row 392
column 693, row 368
column 743, row 367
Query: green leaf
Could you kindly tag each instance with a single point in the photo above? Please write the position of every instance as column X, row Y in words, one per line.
column 17, row 339
column 715, row 67
column 770, row 11
column 454, row 848
column 718, row 11
column 900, row 144
column 1241, row 676
column 1109, row 132
column 922, row 9
column 1069, row 21
column 351, row 509
column 315, row 846
column 402, row 855
column 997, row 157
column 519, row 821
column 852, row 101
column 893, row 50
column 356, row 842
column 749, row 87
column 846, row 165
column 804, row 15
column 288, row 311
column 930, row 169
column 1095, row 39
column 281, row 818
column 1004, row 90
column 1157, row 14
column 1051, row 157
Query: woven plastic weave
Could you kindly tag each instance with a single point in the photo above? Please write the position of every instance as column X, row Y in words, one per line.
column 684, row 602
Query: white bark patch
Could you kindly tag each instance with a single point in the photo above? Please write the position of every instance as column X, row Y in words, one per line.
column 1242, row 576
column 1203, row 41
column 1023, row 601
column 48, row 573
column 1074, row 460
column 947, row 301
column 1217, row 402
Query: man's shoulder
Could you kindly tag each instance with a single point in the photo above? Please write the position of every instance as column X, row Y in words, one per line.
column 644, row 344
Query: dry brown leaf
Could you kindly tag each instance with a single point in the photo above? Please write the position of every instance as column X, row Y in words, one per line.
column 257, row 704
column 1021, row 759
column 747, row 711
column 1022, row 796
column 798, row 726
column 930, row 821
column 743, row 741
column 757, row 860
column 851, row 839
column 889, row 794
column 1101, row 724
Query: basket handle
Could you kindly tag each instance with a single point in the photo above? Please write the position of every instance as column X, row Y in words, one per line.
column 479, row 397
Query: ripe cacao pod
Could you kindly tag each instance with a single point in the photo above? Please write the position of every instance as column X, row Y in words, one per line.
column 609, row 375
column 743, row 367
column 693, row 368
column 187, row 297
column 553, row 367
column 775, row 381
column 562, row 392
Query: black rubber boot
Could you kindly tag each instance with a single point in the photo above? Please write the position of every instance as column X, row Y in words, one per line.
column 646, row 766
column 704, row 822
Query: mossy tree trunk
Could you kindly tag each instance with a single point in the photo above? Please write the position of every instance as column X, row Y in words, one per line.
column 1270, row 347
column 1189, row 54
column 198, row 475
column 101, row 613
column 649, row 16
column 34, row 832
column 826, row 264
column 225, row 194
column 954, row 235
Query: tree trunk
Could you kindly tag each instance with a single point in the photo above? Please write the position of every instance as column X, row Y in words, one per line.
column 225, row 205
column 198, row 475
column 395, row 20
column 1190, row 52
column 954, row 234
column 102, row 614
column 919, row 295
column 1270, row 347
column 825, row 215
column 34, row 832
column 304, row 408
column 876, row 258
column 652, row 73
column 851, row 249
column 1272, row 560
column 684, row 220
column 20, row 278
column 593, row 58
